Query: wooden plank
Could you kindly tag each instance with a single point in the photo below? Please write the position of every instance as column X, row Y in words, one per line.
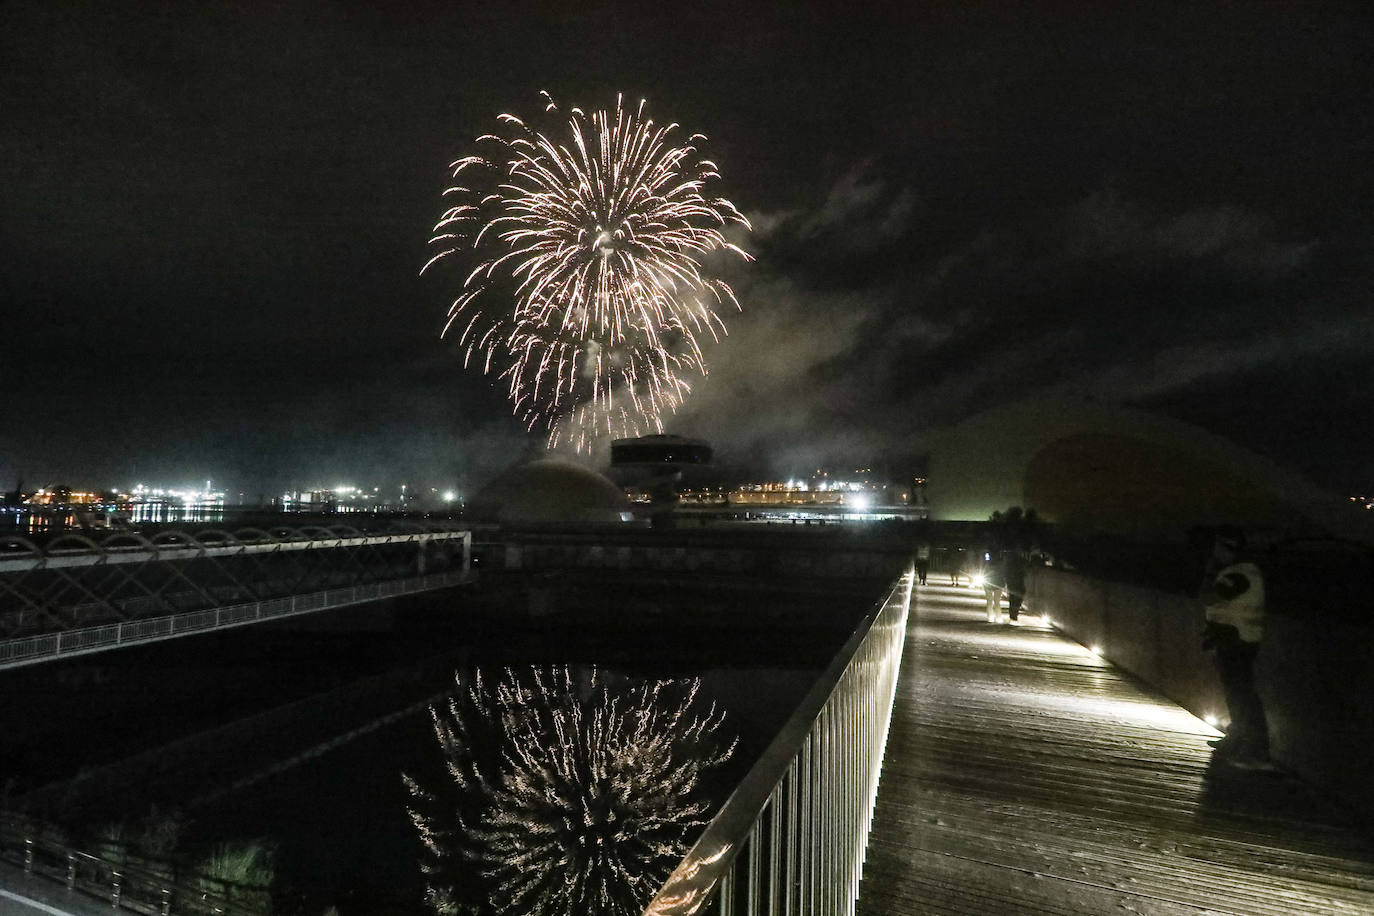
column 1024, row 774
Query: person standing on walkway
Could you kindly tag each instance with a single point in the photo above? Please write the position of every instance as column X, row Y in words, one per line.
column 1014, row 581
column 1233, row 596
column 956, row 564
column 992, row 591
column 922, row 561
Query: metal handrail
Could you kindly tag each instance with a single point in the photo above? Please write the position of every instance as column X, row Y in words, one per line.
column 799, row 820
column 150, row 888
column 92, row 554
column 46, row 646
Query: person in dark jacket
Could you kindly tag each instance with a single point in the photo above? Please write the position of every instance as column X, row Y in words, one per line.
column 1014, row 574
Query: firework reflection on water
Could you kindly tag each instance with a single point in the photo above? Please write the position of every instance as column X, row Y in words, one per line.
column 566, row 794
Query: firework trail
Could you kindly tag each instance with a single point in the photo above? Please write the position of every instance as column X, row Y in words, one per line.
column 570, row 797
column 585, row 253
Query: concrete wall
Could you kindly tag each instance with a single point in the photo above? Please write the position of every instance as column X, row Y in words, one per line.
column 801, row 558
column 1313, row 675
column 1154, row 635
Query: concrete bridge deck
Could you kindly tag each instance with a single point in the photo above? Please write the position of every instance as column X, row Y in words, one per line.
column 1025, row 775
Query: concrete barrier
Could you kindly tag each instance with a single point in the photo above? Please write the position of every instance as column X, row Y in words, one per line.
column 1312, row 673
column 801, row 557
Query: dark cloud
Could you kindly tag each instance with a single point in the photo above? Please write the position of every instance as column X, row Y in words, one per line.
column 1105, row 295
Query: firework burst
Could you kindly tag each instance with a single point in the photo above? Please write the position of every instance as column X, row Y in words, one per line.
column 587, row 806
column 585, row 249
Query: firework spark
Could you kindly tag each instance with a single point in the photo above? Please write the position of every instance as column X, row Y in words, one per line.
column 587, row 806
column 587, row 287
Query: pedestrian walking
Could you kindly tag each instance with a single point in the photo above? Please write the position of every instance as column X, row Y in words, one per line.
column 958, row 569
column 955, row 558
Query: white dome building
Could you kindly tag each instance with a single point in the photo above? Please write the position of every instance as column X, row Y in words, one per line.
column 550, row 493
column 1110, row 468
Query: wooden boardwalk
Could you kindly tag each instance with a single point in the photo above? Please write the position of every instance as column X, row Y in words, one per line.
column 1025, row 775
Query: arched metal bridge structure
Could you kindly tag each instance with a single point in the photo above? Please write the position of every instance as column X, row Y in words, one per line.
column 76, row 594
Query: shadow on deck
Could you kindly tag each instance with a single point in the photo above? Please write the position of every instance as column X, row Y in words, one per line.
column 1025, row 775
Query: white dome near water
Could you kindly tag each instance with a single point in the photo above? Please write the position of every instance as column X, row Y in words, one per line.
column 1107, row 467
column 550, row 492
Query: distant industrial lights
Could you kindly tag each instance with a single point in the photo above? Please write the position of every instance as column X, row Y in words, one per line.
column 187, row 497
column 450, row 496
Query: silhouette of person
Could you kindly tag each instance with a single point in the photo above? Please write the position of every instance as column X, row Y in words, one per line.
column 1014, row 581
column 922, row 561
column 1233, row 597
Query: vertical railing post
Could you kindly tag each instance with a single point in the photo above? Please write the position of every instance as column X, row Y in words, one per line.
column 826, row 784
column 774, row 841
column 790, row 888
column 812, row 802
column 751, row 894
column 844, row 829
column 829, row 774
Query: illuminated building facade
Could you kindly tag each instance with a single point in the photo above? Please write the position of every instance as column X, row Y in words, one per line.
column 334, row 499
column 63, row 496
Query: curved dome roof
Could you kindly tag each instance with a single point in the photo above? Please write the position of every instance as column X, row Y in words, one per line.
column 1115, row 468
column 550, row 492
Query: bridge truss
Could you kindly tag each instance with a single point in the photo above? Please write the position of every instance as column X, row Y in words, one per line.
column 76, row 594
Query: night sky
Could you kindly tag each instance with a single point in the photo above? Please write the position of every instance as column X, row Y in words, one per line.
column 214, row 216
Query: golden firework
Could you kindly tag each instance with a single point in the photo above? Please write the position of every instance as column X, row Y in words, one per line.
column 587, row 287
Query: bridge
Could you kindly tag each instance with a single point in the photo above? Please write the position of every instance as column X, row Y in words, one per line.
column 948, row 765
column 75, row 595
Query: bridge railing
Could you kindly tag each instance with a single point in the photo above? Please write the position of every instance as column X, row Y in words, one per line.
column 791, row 838
column 135, row 886
column 31, row 649
column 78, row 582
